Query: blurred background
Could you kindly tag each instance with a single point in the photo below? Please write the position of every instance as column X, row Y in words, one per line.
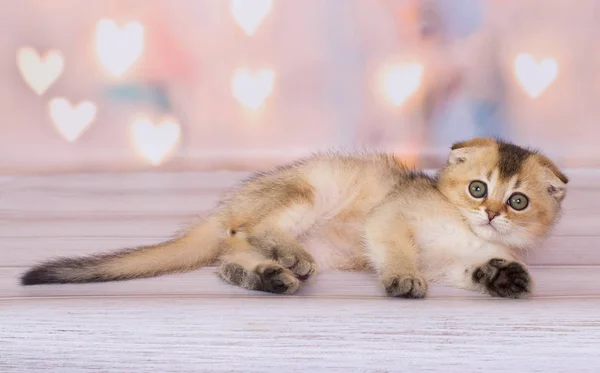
column 123, row 85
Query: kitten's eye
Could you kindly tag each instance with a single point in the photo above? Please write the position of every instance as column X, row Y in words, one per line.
column 518, row 201
column 478, row 189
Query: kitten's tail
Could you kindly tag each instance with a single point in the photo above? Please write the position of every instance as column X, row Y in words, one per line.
column 198, row 246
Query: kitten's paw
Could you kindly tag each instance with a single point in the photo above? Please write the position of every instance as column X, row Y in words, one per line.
column 405, row 285
column 277, row 279
column 235, row 274
column 502, row 278
column 300, row 262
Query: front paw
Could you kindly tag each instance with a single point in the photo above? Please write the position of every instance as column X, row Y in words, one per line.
column 505, row 279
column 405, row 285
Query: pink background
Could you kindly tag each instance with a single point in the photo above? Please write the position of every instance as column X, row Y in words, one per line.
column 325, row 54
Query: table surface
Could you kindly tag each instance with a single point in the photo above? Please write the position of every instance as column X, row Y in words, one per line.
column 342, row 322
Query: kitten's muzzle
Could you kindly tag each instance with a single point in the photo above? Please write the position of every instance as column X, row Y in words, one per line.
column 491, row 214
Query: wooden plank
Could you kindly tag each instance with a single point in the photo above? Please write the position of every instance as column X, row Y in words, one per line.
column 132, row 224
column 16, row 223
column 89, row 204
column 27, row 242
column 39, row 213
column 566, row 250
column 579, row 179
column 195, row 322
column 6, row 179
column 157, row 193
column 126, row 181
column 24, row 251
column 293, row 334
column 42, row 202
column 550, row 282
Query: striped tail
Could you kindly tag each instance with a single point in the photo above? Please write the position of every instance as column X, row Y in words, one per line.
column 198, row 246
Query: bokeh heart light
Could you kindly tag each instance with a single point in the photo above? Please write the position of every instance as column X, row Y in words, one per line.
column 154, row 141
column 533, row 76
column 71, row 120
column 250, row 88
column 249, row 14
column 118, row 48
column 401, row 81
column 39, row 72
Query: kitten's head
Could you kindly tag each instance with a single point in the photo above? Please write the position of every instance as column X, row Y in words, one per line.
column 506, row 193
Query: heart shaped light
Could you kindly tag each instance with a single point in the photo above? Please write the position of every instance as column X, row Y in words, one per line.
column 401, row 81
column 119, row 47
column 251, row 89
column 535, row 77
column 154, row 141
column 39, row 72
column 249, row 14
column 71, row 121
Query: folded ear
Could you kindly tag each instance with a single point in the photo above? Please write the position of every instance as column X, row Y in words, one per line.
column 557, row 181
column 462, row 151
column 459, row 155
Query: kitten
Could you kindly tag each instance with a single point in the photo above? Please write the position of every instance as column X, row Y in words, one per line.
column 467, row 227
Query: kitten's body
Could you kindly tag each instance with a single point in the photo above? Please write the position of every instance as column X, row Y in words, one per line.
column 359, row 212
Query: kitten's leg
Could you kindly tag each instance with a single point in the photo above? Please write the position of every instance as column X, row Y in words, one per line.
column 276, row 238
column 498, row 275
column 253, row 271
column 285, row 249
column 393, row 253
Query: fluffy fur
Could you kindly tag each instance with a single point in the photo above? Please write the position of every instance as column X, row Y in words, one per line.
column 362, row 212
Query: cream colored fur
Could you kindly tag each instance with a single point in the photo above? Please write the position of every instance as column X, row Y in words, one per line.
column 358, row 212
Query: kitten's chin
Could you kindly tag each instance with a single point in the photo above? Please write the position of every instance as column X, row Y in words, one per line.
column 499, row 232
column 488, row 233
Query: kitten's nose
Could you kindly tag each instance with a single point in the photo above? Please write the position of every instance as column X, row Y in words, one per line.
column 492, row 214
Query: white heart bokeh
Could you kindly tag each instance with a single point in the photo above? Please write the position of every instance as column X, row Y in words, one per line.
column 251, row 89
column 249, row 14
column 39, row 72
column 71, row 121
column 118, row 48
column 154, row 141
column 535, row 77
column 401, row 81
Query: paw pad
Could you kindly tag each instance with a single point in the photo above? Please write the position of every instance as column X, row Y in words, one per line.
column 278, row 280
column 502, row 278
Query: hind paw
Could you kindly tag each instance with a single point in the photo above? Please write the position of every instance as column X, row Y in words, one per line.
column 277, row 279
column 300, row 262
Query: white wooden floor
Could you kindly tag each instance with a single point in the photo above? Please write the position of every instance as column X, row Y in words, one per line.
column 194, row 323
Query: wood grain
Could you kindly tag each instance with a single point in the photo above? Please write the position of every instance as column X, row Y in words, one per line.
column 87, row 213
column 291, row 334
column 554, row 281
column 193, row 322
column 70, row 237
